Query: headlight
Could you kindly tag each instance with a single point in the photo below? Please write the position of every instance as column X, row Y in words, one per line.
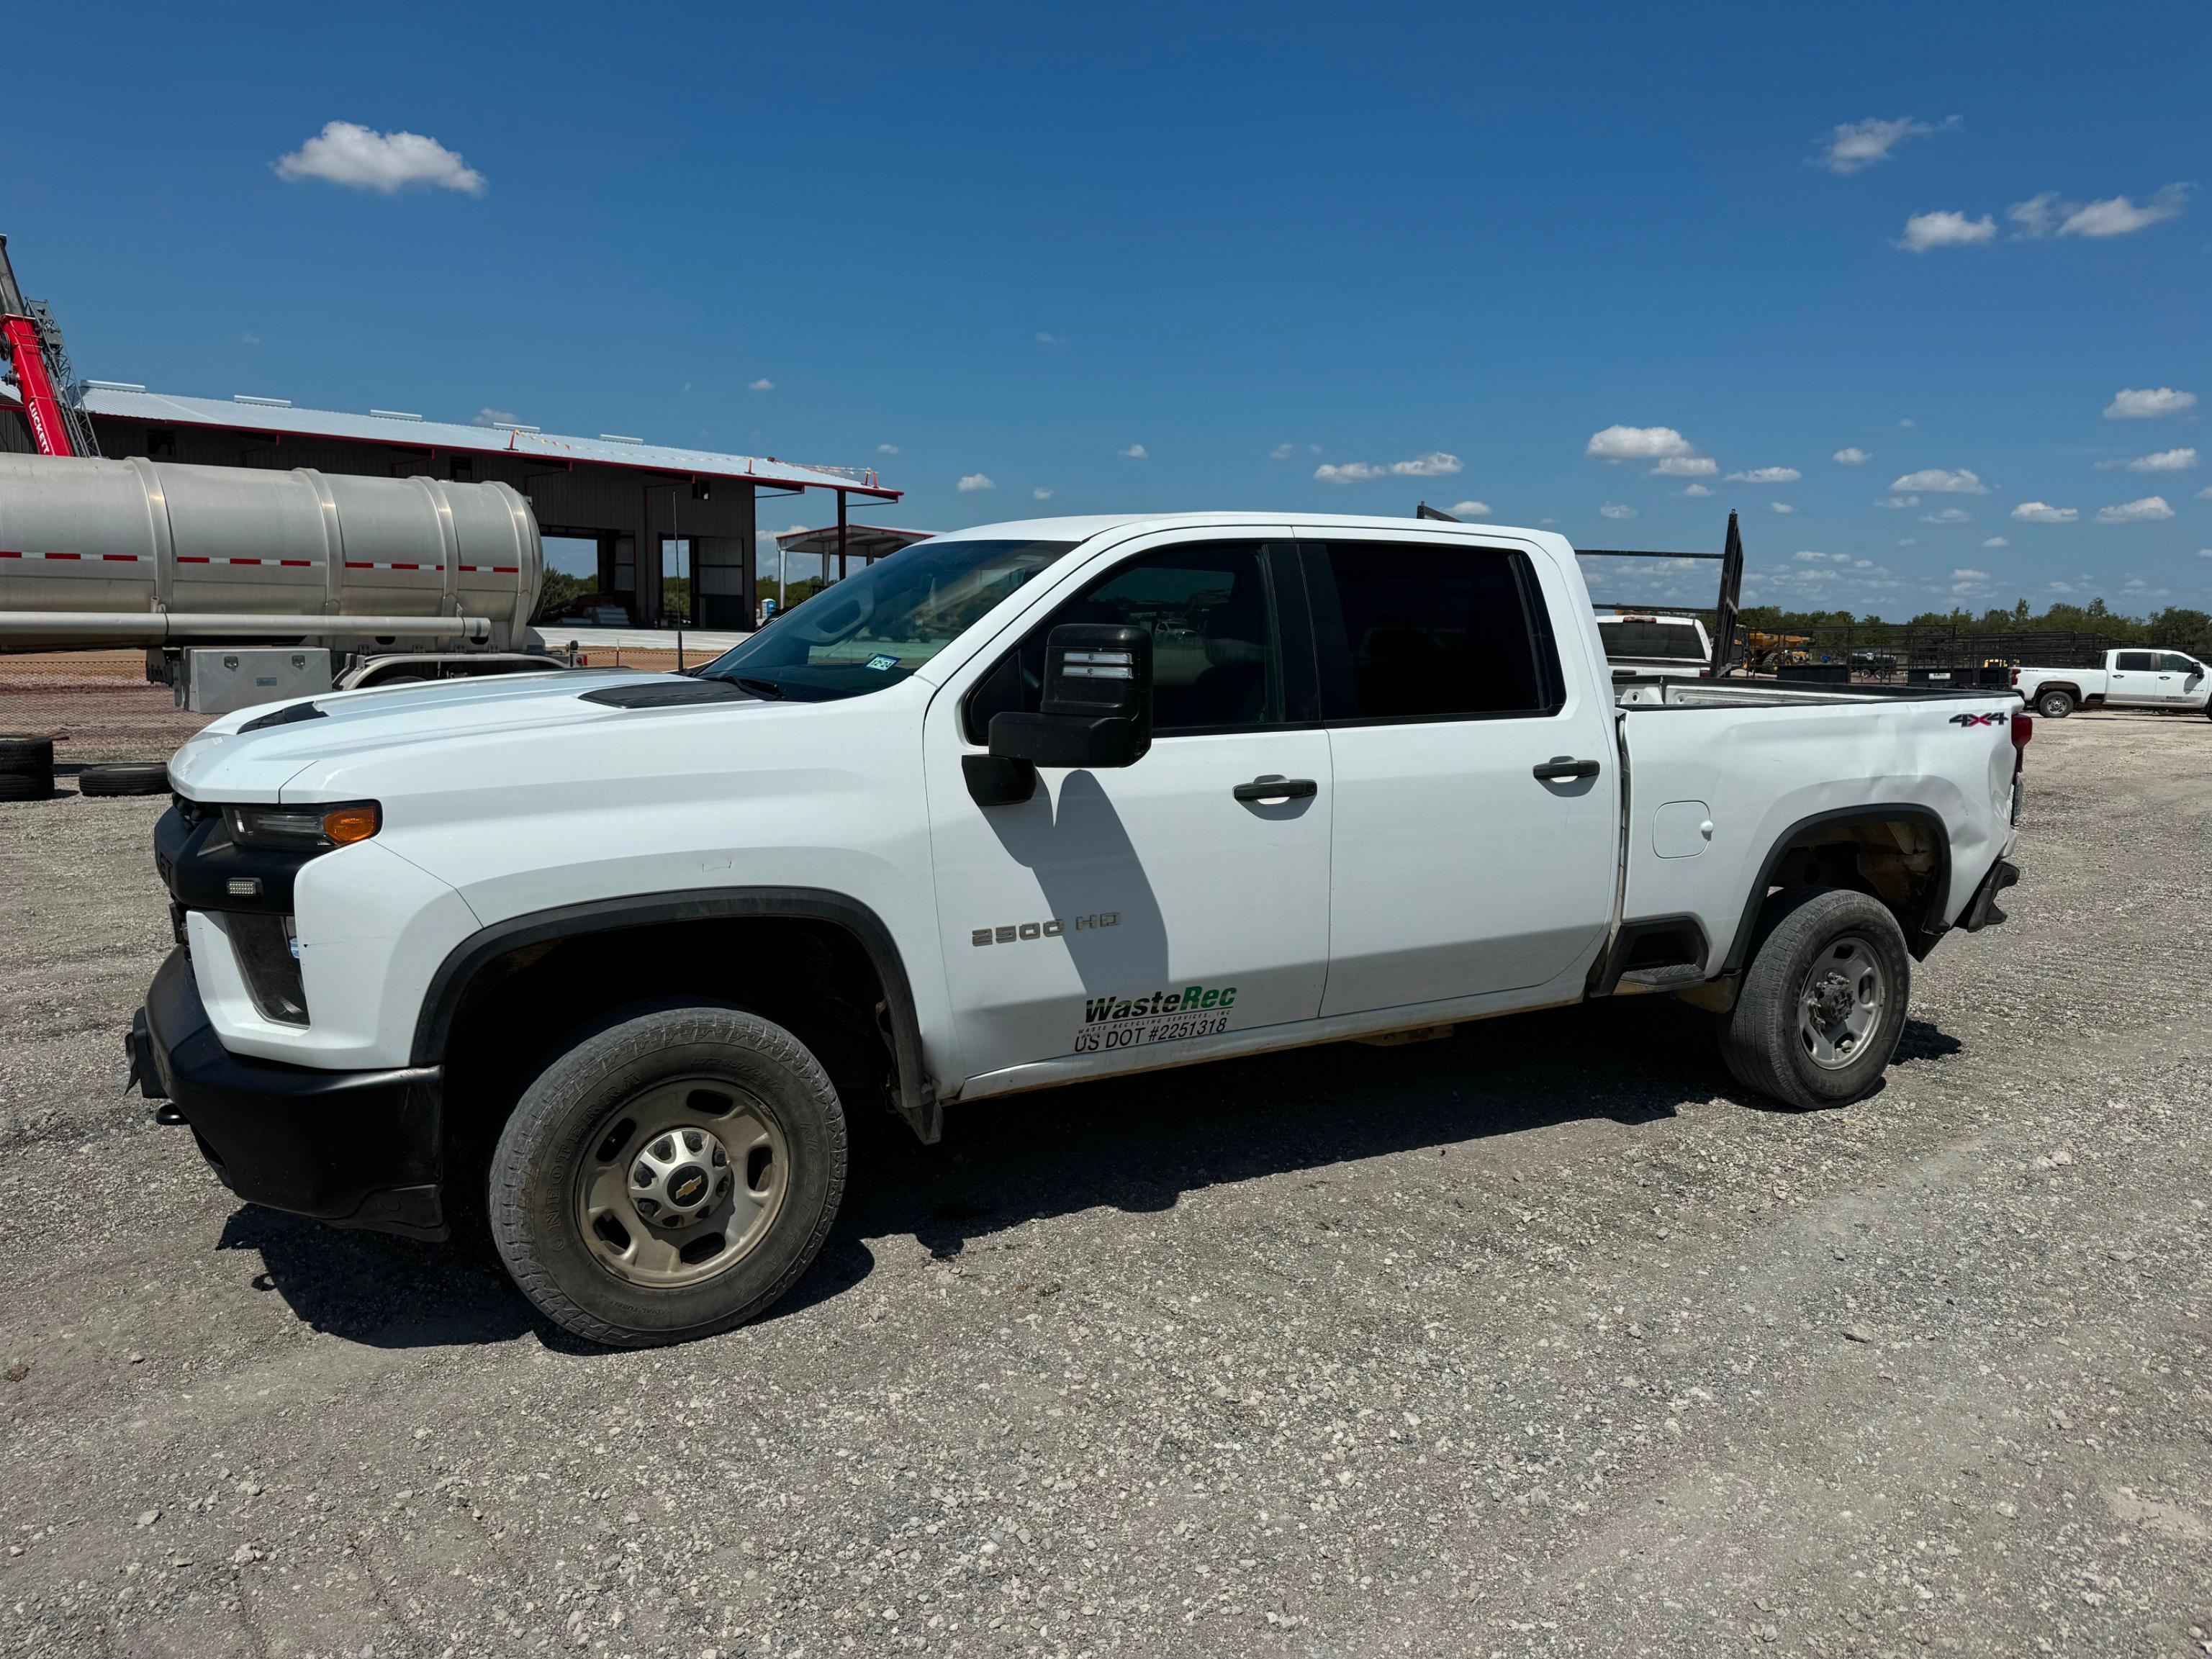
column 311, row 828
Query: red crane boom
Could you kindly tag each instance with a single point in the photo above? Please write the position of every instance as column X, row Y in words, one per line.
column 26, row 333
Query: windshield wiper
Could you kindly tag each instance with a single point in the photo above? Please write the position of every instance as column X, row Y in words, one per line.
column 759, row 688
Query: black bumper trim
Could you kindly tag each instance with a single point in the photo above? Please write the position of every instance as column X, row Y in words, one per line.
column 356, row 1148
column 1982, row 910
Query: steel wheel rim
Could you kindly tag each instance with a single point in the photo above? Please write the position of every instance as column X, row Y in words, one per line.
column 1841, row 1002
column 633, row 1208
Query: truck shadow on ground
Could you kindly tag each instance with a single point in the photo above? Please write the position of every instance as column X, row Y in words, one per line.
column 1138, row 1144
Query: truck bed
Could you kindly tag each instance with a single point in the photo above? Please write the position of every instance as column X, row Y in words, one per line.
column 1738, row 768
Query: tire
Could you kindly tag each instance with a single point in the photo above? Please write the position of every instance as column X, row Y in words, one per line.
column 1815, row 941
column 2054, row 705
column 25, row 785
column 126, row 778
column 27, row 755
column 596, row 1119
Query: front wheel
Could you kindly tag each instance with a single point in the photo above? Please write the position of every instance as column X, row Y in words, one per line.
column 668, row 1177
column 1823, row 1003
column 2054, row 705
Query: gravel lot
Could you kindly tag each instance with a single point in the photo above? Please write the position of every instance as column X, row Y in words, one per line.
column 1534, row 1340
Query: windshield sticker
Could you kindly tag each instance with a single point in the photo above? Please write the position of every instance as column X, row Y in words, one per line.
column 1114, row 1021
column 883, row 665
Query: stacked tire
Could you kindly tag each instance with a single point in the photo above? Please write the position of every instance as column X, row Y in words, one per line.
column 26, row 768
column 126, row 778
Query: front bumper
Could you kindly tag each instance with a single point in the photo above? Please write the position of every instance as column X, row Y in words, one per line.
column 356, row 1148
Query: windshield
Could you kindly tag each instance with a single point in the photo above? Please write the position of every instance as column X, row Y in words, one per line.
column 875, row 628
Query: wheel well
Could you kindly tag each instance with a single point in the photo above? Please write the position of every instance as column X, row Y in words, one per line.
column 523, row 1007
column 1899, row 857
column 2067, row 686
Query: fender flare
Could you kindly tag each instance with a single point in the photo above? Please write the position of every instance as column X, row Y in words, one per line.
column 916, row 1091
column 1920, row 940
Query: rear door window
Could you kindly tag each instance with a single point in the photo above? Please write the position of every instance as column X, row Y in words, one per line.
column 2136, row 660
column 1428, row 631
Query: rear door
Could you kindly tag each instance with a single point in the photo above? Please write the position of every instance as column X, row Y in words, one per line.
column 1477, row 820
column 2134, row 681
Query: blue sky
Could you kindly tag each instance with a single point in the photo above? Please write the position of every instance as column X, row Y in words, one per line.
column 1229, row 256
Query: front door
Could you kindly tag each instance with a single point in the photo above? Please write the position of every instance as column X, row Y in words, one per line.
column 1122, row 909
column 1477, row 787
column 2181, row 680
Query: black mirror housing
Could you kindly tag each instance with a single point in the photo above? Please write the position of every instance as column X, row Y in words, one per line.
column 1096, row 708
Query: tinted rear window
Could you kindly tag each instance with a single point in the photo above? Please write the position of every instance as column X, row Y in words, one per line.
column 1632, row 636
column 1438, row 632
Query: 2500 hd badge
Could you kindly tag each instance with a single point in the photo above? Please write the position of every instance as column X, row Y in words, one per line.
column 1159, row 1016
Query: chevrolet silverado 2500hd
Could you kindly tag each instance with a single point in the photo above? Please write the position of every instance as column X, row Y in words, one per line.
column 2136, row 678
column 614, row 954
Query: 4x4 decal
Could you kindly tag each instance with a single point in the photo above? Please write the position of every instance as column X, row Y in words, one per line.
column 1998, row 718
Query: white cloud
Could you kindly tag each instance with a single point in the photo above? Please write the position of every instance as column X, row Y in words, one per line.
column 2147, row 404
column 2166, row 461
column 1781, row 507
column 975, row 481
column 2061, row 588
column 1808, row 556
column 763, row 384
column 1997, row 541
column 2118, row 215
column 1044, row 338
column 887, row 449
column 1948, row 515
column 1638, row 443
column 1470, row 509
column 1897, row 502
column 1040, row 494
column 1685, row 466
column 2205, row 493
column 1856, row 144
column 1853, row 456
column 362, row 158
column 1970, row 575
column 1616, row 510
column 1908, row 541
column 2150, row 510
column 1281, row 451
column 1767, row 475
column 1134, row 453
column 1936, row 480
column 1923, row 231
column 1697, row 491
column 1434, row 465
column 489, row 416
column 2044, row 513
column 2204, row 552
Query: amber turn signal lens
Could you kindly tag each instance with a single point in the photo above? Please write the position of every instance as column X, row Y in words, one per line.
column 350, row 824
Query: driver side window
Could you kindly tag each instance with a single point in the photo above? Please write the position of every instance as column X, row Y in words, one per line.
column 1217, row 644
column 2172, row 663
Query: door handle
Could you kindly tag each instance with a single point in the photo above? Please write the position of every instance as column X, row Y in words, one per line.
column 1275, row 786
column 1560, row 767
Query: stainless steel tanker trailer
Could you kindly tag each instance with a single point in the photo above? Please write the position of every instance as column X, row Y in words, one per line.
column 366, row 580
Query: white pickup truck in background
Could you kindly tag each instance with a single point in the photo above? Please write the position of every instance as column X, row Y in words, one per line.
column 2131, row 678
column 1653, row 643
column 613, row 954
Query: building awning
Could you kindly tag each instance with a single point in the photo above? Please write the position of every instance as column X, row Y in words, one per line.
column 113, row 400
column 862, row 541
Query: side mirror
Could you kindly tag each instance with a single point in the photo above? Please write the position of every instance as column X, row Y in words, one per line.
column 1096, row 710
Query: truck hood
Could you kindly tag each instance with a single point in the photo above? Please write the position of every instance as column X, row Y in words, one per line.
column 355, row 730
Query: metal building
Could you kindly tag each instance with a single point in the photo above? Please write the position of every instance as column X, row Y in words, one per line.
column 632, row 499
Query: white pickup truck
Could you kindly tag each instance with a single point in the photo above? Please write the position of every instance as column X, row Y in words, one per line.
column 613, row 954
column 2134, row 679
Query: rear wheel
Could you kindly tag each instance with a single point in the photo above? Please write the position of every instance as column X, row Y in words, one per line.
column 668, row 1177
column 2055, row 705
column 1823, row 1003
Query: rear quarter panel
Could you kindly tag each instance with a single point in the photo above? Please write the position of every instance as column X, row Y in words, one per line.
column 1758, row 772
